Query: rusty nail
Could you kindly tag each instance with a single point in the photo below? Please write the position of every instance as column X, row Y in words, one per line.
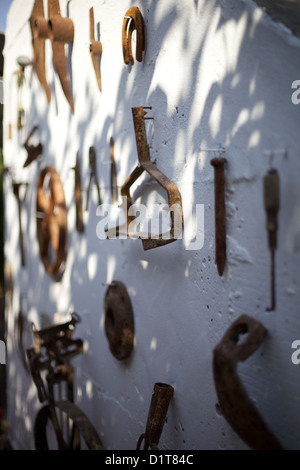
column 271, row 203
column 220, row 217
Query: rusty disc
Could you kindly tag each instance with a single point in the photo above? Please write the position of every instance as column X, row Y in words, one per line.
column 51, row 221
column 119, row 321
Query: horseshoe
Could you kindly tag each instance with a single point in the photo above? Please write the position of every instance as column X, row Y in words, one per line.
column 51, row 222
column 119, row 322
column 235, row 404
column 133, row 20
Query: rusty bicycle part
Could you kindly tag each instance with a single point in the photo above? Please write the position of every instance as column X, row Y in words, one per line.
column 95, row 50
column 78, row 197
column 53, row 349
column 113, row 173
column 220, row 213
column 272, row 203
column 16, row 191
column 51, row 222
column 119, row 320
column 40, row 32
column 93, row 176
column 133, row 20
column 145, row 164
column 235, row 404
column 157, row 414
column 33, row 151
column 61, row 32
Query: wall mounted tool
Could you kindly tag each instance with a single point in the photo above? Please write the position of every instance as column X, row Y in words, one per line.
column 51, row 222
column 16, row 191
column 113, row 173
column 220, row 213
column 61, row 32
column 157, row 414
column 272, row 203
column 133, row 20
column 40, row 32
column 33, row 151
column 20, row 326
column 23, row 62
column 235, row 404
column 95, row 50
column 119, row 321
column 145, row 164
column 93, row 176
column 78, row 196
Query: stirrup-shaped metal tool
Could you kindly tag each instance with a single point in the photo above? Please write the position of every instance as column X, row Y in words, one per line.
column 95, row 49
column 61, row 32
column 133, row 20
column 174, row 198
column 235, row 404
column 40, row 32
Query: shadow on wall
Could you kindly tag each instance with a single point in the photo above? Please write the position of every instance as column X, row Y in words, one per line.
column 210, row 99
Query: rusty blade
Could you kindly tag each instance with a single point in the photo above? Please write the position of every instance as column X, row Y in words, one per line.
column 234, row 401
column 95, row 50
column 60, row 65
column 61, row 33
column 78, row 197
column 39, row 28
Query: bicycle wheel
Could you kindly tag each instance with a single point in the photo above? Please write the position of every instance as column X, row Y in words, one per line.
column 67, row 429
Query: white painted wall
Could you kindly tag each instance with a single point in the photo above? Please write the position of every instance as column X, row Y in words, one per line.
column 215, row 73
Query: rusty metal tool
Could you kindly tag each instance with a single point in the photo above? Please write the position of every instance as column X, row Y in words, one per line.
column 18, row 334
column 272, row 203
column 16, row 191
column 95, row 50
column 113, row 173
column 78, row 196
column 220, row 213
column 119, row 321
column 145, row 164
column 40, row 32
column 33, row 151
column 157, row 414
column 51, row 216
column 236, row 406
column 133, row 20
column 93, row 176
column 61, row 32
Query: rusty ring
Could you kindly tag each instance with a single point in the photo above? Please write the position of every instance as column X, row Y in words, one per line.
column 119, row 322
column 51, row 222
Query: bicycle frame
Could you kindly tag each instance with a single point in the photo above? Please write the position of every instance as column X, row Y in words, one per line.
column 53, row 350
